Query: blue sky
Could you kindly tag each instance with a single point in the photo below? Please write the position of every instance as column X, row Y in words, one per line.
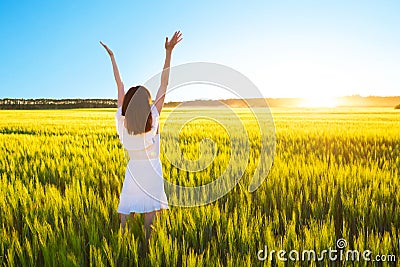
column 287, row 48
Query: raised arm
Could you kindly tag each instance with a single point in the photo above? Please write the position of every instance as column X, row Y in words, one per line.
column 169, row 46
column 120, row 85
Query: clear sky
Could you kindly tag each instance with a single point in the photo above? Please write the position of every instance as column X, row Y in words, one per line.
column 287, row 48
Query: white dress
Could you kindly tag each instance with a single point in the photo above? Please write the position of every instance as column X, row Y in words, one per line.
column 143, row 188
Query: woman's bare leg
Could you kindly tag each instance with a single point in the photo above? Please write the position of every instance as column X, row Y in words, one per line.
column 123, row 217
column 148, row 221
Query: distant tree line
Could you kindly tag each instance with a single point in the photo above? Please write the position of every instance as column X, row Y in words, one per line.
column 43, row 103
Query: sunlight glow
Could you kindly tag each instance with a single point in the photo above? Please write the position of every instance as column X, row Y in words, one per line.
column 319, row 102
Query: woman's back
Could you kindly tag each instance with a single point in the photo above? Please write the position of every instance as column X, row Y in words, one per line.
column 144, row 146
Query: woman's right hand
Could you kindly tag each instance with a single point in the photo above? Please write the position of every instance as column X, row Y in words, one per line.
column 107, row 49
column 170, row 44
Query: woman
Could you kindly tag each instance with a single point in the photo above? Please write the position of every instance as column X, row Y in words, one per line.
column 137, row 123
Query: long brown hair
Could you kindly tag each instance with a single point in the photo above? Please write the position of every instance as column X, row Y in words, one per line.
column 136, row 109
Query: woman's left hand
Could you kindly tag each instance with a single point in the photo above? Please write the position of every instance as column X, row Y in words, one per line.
column 107, row 49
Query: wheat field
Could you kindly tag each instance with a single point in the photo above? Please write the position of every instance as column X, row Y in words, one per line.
column 335, row 175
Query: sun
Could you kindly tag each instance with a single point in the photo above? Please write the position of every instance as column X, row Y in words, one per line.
column 319, row 102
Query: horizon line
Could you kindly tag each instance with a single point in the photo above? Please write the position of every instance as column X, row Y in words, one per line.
column 208, row 99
